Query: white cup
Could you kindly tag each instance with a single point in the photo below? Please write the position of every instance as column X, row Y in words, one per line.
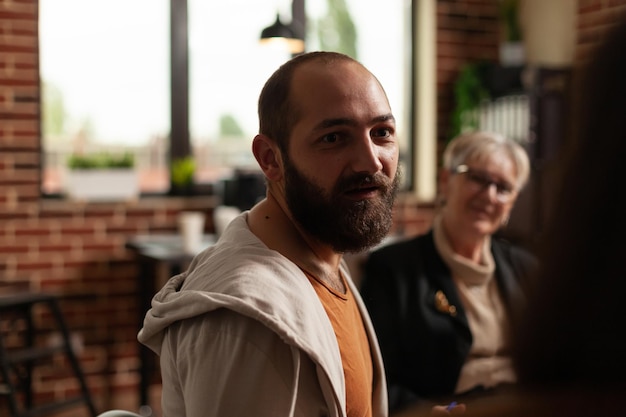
column 222, row 216
column 191, row 229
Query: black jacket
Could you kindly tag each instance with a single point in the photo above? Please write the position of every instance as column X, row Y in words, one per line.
column 423, row 347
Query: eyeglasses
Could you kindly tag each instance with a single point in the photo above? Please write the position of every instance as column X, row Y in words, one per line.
column 481, row 180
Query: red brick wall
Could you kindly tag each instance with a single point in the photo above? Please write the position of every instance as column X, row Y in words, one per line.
column 467, row 31
column 595, row 17
column 78, row 249
column 72, row 249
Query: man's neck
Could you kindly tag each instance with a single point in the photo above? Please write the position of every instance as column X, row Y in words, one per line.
column 271, row 222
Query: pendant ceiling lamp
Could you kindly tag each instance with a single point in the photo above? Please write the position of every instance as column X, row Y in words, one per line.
column 287, row 34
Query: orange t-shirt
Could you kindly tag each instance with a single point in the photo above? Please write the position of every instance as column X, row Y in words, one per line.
column 354, row 346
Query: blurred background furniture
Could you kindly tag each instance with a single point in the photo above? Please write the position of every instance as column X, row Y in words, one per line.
column 23, row 348
column 159, row 257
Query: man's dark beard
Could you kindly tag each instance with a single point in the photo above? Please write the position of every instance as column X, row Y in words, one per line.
column 345, row 224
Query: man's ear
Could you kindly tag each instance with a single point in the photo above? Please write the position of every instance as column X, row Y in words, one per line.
column 268, row 156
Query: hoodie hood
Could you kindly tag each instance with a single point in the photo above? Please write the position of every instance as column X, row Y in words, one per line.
column 242, row 274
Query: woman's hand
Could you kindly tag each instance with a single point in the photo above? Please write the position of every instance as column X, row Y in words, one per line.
column 447, row 410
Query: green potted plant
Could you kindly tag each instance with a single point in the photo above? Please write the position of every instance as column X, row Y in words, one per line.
column 469, row 92
column 182, row 172
column 102, row 177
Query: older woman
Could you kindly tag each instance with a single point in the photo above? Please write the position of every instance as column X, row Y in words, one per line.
column 443, row 303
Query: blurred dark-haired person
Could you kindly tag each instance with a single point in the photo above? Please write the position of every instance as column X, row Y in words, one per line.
column 570, row 348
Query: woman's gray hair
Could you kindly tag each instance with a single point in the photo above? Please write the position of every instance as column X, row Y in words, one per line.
column 478, row 146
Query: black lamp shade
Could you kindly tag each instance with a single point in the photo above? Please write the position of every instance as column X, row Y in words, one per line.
column 278, row 31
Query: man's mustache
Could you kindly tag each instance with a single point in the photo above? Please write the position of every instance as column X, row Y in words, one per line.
column 356, row 181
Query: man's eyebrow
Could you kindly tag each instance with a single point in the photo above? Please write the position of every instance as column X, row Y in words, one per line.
column 344, row 121
column 385, row 118
column 326, row 123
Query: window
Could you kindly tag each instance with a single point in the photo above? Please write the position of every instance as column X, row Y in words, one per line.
column 228, row 66
column 105, row 80
column 106, row 76
column 227, row 69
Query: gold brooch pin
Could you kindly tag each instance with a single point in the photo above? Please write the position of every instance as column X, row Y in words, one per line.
column 442, row 304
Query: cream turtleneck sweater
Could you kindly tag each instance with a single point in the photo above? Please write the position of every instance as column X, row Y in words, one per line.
column 488, row 362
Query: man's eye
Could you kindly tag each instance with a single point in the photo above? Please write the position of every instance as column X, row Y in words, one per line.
column 382, row 133
column 330, row 138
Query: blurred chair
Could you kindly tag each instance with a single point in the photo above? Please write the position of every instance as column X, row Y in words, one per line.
column 21, row 351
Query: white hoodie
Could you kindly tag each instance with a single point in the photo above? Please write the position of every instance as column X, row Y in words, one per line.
column 243, row 333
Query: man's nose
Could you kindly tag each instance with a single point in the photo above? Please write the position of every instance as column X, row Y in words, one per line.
column 367, row 156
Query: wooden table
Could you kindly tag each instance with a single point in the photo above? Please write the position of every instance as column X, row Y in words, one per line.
column 160, row 256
